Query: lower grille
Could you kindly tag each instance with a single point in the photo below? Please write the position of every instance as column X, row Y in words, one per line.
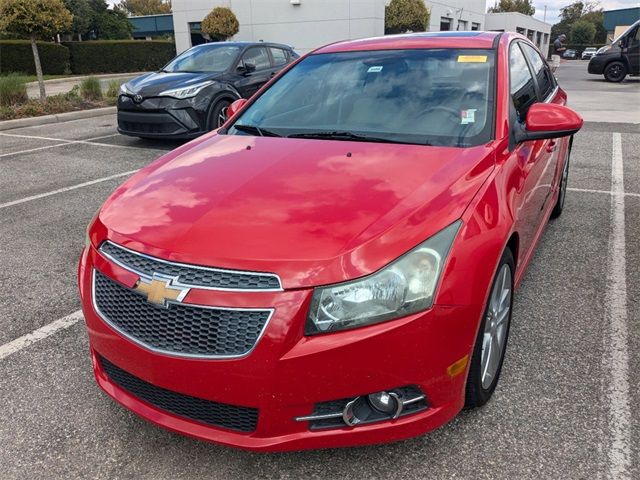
column 242, row 419
column 180, row 329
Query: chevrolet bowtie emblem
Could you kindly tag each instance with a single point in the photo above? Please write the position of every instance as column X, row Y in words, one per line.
column 160, row 290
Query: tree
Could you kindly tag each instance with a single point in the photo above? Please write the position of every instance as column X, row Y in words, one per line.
column 521, row 6
column 145, row 7
column 82, row 15
column 587, row 10
column 35, row 19
column 402, row 16
column 220, row 24
column 113, row 25
column 582, row 32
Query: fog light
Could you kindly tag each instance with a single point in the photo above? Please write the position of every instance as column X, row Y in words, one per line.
column 386, row 402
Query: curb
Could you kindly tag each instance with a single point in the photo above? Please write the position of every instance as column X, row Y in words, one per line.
column 54, row 81
column 56, row 118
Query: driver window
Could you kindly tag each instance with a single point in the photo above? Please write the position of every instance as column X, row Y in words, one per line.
column 258, row 57
column 523, row 92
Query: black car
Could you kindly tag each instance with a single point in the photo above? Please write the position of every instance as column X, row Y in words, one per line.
column 189, row 96
column 619, row 59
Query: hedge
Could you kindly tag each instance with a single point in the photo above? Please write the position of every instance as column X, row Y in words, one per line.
column 116, row 56
column 17, row 56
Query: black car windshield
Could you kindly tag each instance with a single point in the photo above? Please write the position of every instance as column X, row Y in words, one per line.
column 204, row 58
column 426, row 97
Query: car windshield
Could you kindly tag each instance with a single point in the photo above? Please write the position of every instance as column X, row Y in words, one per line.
column 426, row 97
column 204, row 58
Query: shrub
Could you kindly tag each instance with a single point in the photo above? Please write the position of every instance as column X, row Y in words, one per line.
column 90, row 89
column 118, row 56
column 583, row 32
column 16, row 56
column 13, row 90
column 220, row 24
column 406, row 15
column 113, row 89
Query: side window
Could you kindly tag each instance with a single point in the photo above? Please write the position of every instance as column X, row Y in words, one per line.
column 522, row 88
column 279, row 56
column 258, row 57
column 541, row 70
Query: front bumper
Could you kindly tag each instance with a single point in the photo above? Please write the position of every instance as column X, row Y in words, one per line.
column 597, row 64
column 287, row 373
column 161, row 117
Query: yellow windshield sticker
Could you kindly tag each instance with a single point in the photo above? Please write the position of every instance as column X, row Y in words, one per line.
column 472, row 58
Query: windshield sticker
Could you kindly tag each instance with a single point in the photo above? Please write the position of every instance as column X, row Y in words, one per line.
column 472, row 58
column 375, row 69
column 468, row 116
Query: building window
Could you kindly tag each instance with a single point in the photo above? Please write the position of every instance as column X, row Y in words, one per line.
column 475, row 26
column 462, row 25
column 445, row 24
column 539, row 39
column 196, row 34
column 521, row 31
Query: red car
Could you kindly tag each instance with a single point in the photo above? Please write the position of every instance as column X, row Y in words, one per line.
column 335, row 265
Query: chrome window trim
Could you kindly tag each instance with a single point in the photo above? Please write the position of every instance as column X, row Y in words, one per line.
column 168, row 352
column 195, row 267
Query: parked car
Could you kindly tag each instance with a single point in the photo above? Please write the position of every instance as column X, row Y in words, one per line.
column 619, row 59
column 337, row 264
column 570, row 54
column 190, row 95
column 588, row 52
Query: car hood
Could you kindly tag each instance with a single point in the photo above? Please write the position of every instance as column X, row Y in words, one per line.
column 312, row 211
column 152, row 83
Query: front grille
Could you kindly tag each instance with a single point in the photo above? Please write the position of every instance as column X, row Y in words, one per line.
column 232, row 417
column 190, row 275
column 178, row 329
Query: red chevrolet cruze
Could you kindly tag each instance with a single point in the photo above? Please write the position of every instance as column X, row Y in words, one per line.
column 336, row 265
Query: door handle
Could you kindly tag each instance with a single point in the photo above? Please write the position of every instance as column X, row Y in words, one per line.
column 551, row 146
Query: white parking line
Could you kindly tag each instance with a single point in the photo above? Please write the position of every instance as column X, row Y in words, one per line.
column 65, row 189
column 39, row 334
column 606, row 192
column 616, row 357
column 64, row 141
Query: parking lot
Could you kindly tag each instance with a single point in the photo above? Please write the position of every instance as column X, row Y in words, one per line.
column 564, row 407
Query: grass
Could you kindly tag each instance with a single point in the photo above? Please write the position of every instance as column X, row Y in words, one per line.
column 15, row 103
column 90, row 89
column 12, row 90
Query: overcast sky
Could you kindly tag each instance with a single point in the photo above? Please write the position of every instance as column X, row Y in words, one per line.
column 553, row 6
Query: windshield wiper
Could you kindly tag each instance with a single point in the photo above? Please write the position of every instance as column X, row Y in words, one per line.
column 254, row 129
column 344, row 135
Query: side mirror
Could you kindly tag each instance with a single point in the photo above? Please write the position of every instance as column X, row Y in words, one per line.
column 246, row 68
column 235, row 107
column 548, row 120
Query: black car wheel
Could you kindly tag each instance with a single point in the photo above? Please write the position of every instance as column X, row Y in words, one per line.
column 615, row 72
column 491, row 343
column 218, row 114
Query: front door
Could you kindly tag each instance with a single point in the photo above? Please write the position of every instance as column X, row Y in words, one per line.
column 260, row 63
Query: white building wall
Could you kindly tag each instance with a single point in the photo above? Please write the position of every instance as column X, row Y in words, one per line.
column 461, row 14
column 306, row 26
column 537, row 31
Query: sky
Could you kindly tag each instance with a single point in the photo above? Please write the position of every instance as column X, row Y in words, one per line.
column 553, row 7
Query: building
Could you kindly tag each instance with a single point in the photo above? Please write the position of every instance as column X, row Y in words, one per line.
column 617, row 21
column 150, row 26
column 456, row 14
column 535, row 30
column 308, row 24
column 303, row 24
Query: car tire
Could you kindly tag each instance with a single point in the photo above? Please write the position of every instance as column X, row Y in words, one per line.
column 484, row 371
column 218, row 114
column 559, row 206
column 615, row 72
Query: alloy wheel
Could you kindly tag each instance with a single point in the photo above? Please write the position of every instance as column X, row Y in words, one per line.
column 496, row 327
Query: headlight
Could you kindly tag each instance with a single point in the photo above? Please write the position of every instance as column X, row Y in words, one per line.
column 124, row 90
column 403, row 287
column 604, row 49
column 185, row 92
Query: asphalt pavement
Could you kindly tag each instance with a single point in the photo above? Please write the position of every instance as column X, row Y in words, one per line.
column 564, row 405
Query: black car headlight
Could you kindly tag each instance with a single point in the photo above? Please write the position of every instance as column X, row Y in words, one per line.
column 185, row 92
column 403, row 287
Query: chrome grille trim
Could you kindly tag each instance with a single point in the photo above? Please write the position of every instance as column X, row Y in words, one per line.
column 238, row 274
column 171, row 353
